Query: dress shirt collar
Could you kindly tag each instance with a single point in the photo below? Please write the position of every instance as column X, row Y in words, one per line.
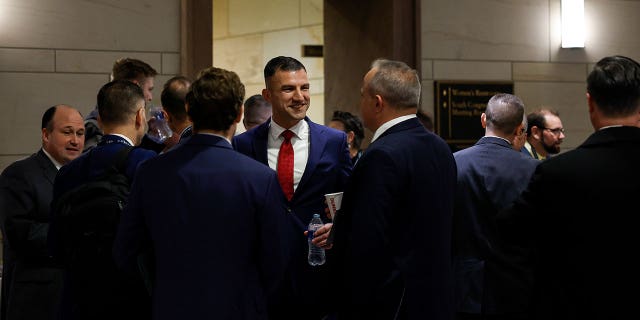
column 299, row 129
column 385, row 126
column 55, row 163
column 509, row 142
column 124, row 138
column 216, row 135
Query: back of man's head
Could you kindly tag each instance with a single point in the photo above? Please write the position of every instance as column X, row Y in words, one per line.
column 256, row 111
column 215, row 99
column 132, row 70
column 396, row 82
column 174, row 95
column 118, row 101
column 504, row 113
column 283, row 64
column 614, row 85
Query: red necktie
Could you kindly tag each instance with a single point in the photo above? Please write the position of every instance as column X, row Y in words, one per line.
column 285, row 165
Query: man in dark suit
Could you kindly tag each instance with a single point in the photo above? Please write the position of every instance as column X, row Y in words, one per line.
column 583, row 238
column 321, row 165
column 491, row 176
column 392, row 236
column 214, row 216
column 32, row 281
column 111, row 295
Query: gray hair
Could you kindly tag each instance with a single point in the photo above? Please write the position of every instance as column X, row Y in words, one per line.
column 396, row 82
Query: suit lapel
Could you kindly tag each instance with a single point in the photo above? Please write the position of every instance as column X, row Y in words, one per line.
column 317, row 142
column 48, row 168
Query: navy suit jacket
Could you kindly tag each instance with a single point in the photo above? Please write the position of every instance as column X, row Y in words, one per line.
column 215, row 220
column 31, row 281
column 393, row 234
column 114, row 294
column 327, row 170
column 491, row 176
column 581, row 211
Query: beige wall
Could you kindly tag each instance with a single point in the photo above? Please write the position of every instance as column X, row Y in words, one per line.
column 248, row 33
column 61, row 51
column 519, row 41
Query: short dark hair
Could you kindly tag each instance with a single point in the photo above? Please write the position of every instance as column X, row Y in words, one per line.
column 351, row 123
column 253, row 104
column 614, row 85
column 215, row 99
column 47, row 118
column 118, row 100
column 173, row 97
column 282, row 63
column 537, row 118
column 505, row 112
column 132, row 69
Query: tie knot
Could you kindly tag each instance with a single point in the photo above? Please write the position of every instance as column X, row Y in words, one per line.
column 287, row 134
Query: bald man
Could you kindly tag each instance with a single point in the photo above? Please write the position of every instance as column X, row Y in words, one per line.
column 31, row 280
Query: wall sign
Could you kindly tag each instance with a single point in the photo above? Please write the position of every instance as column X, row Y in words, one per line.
column 458, row 106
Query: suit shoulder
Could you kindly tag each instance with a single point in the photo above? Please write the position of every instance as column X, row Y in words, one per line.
column 22, row 166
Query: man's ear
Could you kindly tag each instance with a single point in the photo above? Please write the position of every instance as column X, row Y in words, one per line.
column 266, row 94
column 45, row 135
column 483, row 120
column 536, row 133
column 140, row 117
column 239, row 116
column 350, row 136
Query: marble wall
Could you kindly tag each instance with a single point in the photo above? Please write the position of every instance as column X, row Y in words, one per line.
column 248, row 33
column 62, row 51
column 519, row 41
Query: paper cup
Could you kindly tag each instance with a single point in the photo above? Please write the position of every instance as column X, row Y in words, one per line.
column 334, row 200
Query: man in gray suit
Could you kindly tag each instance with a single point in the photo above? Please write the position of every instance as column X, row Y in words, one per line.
column 32, row 281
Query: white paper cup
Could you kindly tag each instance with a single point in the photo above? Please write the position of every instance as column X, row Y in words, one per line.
column 334, row 200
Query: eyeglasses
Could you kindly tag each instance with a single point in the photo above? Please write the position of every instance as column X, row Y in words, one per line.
column 556, row 131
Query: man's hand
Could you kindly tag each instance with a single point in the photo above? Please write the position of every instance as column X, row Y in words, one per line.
column 321, row 235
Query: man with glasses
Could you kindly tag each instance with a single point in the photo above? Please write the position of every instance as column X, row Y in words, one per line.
column 544, row 135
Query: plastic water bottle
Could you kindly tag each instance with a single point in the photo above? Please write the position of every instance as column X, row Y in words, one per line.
column 159, row 129
column 316, row 254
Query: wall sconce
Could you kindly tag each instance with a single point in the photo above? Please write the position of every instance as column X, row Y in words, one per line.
column 572, row 23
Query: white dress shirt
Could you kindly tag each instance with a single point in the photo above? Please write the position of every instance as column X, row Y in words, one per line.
column 385, row 126
column 300, row 143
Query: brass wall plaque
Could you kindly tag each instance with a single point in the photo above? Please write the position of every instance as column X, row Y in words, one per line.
column 458, row 106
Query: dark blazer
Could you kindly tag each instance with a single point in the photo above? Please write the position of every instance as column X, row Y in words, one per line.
column 393, row 234
column 327, row 170
column 114, row 294
column 31, row 281
column 215, row 218
column 581, row 211
column 491, row 176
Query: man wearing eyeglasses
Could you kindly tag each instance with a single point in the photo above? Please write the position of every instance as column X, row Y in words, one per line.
column 544, row 135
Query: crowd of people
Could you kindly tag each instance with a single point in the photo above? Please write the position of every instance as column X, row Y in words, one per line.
column 215, row 224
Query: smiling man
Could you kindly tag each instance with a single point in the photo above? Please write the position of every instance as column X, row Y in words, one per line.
column 32, row 281
column 311, row 161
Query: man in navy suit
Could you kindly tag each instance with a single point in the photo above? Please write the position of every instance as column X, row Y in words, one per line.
column 321, row 165
column 491, row 176
column 31, row 280
column 214, row 216
column 392, row 236
column 583, row 241
column 112, row 295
